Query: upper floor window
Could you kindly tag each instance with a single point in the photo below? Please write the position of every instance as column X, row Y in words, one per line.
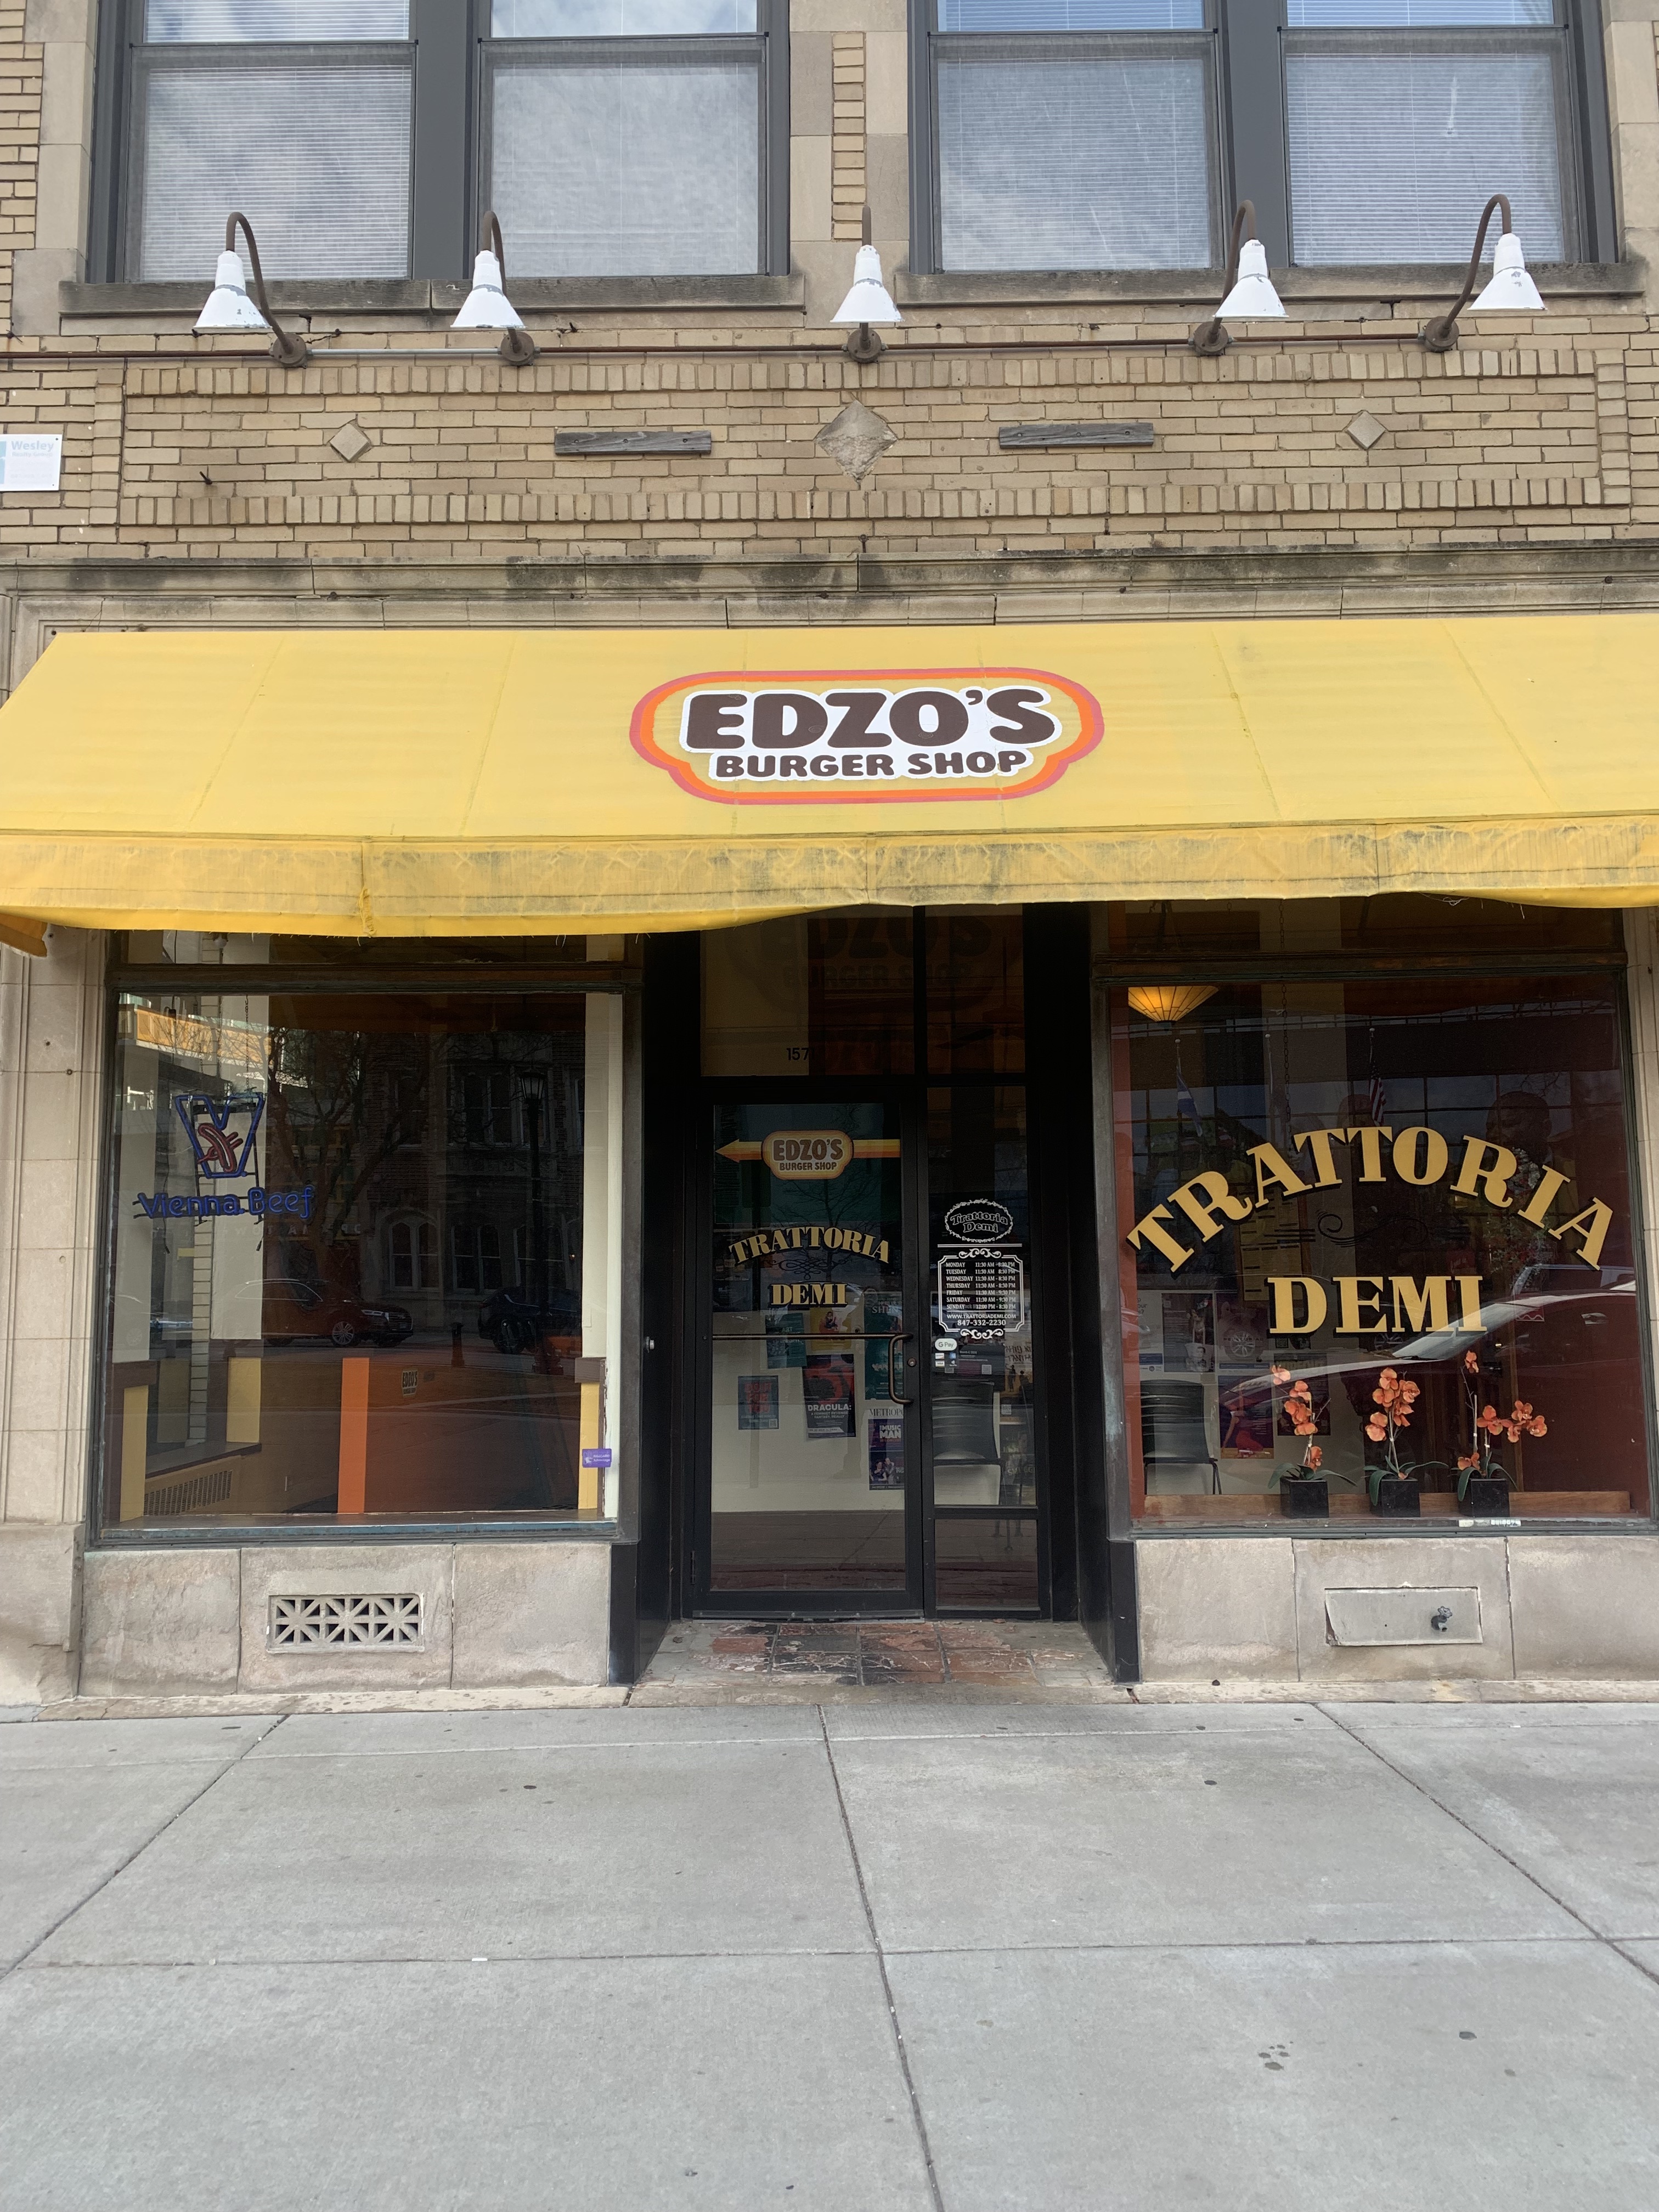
column 297, row 111
column 1074, row 134
column 1401, row 116
column 366, row 137
column 627, row 138
column 1116, row 134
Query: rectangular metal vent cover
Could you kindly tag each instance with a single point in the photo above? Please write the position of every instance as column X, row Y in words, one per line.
column 371, row 1620
column 1403, row 1616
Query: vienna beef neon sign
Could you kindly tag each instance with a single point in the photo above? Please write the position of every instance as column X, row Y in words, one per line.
column 1368, row 1305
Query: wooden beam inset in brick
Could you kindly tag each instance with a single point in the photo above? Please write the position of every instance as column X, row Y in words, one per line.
column 633, row 441
column 1026, row 437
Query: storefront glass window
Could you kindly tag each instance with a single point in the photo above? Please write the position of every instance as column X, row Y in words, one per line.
column 363, row 1255
column 1321, row 1181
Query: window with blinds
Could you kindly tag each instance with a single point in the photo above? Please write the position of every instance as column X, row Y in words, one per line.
column 300, row 112
column 628, row 137
column 1117, row 133
column 1402, row 116
column 1074, row 134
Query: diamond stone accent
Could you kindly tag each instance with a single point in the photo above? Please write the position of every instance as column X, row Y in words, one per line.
column 856, row 440
column 350, row 441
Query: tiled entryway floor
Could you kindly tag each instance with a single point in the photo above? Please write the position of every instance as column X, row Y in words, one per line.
column 1015, row 1658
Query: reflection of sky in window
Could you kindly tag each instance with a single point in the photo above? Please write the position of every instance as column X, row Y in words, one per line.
column 1070, row 15
column 621, row 19
column 249, row 22
column 1166, row 1146
column 1414, row 15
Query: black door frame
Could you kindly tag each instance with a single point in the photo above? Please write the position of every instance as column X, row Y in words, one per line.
column 1081, row 1575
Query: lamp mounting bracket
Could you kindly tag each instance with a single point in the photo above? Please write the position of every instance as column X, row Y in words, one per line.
column 1439, row 334
column 287, row 348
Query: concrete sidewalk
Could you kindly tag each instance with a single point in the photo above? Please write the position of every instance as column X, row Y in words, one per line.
column 857, row 1955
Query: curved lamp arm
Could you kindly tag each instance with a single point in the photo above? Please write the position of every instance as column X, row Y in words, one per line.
column 1213, row 337
column 287, row 347
column 518, row 348
column 1440, row 335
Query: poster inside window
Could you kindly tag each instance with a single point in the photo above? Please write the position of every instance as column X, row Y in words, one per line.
column 1377, row 1238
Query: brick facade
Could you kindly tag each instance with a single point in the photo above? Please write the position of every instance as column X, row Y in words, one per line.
column 21, row 80
column 1514, row 442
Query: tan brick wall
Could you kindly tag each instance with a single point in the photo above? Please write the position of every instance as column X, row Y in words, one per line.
column 849, row 182
column 1548, row 433
column 220, row 457
column 20, row 143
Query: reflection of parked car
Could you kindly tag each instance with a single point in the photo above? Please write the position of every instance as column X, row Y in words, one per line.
column 1573, row 1347
column 512, row 1321
column 294, row 1309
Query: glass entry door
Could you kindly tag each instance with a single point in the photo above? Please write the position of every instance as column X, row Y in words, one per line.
column 868, row 1321
column 811, row 1302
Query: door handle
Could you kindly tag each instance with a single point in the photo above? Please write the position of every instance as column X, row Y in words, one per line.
column 893, row 1391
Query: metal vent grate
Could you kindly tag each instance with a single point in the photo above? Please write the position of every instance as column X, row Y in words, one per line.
column 316, row 1623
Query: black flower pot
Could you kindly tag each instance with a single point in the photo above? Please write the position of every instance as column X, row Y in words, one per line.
column 1304, row 1497
column 1485, row 1493
column 1399, row 1495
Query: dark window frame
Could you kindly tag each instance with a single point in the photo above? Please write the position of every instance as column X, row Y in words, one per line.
column 1250, row 137
column 1114, row 966
column 576, row 978
column 449, row 39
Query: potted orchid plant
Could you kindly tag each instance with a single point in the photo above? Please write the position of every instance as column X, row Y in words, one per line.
column 1394, row 1489
column 1483, row 1485
column 1304, row 1494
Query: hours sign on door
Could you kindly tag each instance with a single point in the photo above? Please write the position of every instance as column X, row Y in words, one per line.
column 981, row 1292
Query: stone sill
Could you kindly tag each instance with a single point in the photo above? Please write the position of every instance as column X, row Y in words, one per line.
column 1363, row 1527
column 1595, row 573
column 432, row 299
column 1199, row 288
column 246, row 1535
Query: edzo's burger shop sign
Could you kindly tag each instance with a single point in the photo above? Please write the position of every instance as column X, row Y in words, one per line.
column 799, row 737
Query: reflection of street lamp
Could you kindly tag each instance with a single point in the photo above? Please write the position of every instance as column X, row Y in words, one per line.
column 533, row 1093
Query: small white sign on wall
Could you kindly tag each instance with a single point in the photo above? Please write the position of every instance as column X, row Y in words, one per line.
column 31, row 463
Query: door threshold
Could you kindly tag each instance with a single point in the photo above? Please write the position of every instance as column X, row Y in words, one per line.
column 979, row 1659
column 840, row 1617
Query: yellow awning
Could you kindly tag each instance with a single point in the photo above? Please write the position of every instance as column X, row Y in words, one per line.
column 463, row 783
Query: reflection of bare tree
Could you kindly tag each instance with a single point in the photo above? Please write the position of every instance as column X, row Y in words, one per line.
column 340, row 1103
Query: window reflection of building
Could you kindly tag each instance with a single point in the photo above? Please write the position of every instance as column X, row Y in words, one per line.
column 435, row 1150
column 1519, row 1073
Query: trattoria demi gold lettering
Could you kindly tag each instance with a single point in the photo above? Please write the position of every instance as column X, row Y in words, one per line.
column 1370, row 1304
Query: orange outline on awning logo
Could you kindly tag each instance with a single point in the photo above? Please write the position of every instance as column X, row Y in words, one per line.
column 821, row 1157
column 884, row 771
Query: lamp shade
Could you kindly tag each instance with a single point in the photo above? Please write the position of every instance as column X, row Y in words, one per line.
column 487, row 307
column 1169, row 1002
column 1253, row 294
column 228, row 307
column 869, row 300
column 1512, row 291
